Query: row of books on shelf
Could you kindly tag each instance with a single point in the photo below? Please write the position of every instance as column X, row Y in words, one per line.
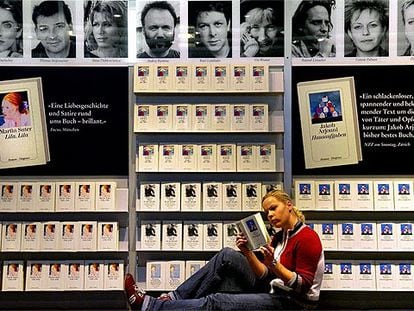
column 355, row 194
column 360, row 236
column 201, row 117
column 215, row 77
column 62, row 196
column 206, row 157
column 62, row 275
column 59, row 236
column 368, row 275
column 208, row 196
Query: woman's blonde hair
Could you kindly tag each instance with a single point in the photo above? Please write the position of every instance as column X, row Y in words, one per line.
column 284, row 197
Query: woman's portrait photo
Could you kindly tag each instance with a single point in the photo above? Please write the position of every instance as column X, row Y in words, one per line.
column 261, row 28
column 366, row 28
column 406, row 28
column 11, row 30
column 15, row 110
column 106, row 29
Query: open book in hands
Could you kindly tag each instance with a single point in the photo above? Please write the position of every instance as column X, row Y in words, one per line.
column 254, row 229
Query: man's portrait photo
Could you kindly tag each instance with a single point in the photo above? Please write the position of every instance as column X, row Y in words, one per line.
column 53, row 29
column 157, row 31
column 209, row 29
column 261, row 28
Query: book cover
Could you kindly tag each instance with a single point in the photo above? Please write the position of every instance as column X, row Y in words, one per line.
column 69, row 238
column 182, row 117
column 13, row 276
column 144, row 117
column 344, row 195
column 324, row 194
column 386, row 276
column 405, row 239
column 36, row 273
column 50, row 235
column 405, row 280
column 254, row 229
column 156, row 278
column 45, row 197
column 191, row 197
column 108, row 236
column 403, row 195
column 220, row 117
column 163, row 77
column 240, row 77
column 143, row 78
column 85, row 196
column 147, row 158
column 266, row 157
column 232, row 196
column 246, row 157
column 386, row 235
column 172, row 235
column 226, row 157
column 113, row 275
column 270, row 186
column 105, row 195
column 94, row 274
column 365, row 278
column 182, row 77
column 192, row 236
column 201, row 116
column 163, row 118
column 251, row 196
column 328, row 233
column 168, row 157
column 201, row 77
column 75, row 275
column 88, row 231
column 366, row 235
column 213, row 236
column 364, row 198
column 329, row 122
column 188, row 159
column 347, row 236
column 347, row 277
column 150, row 197
column 259, row 77
column 330, row 278
column 65, row 197
column 220, row 77
column 175, row 274
column 26, row 198
column 305, row 194
column 383, row 195
column 151, row 235
column 9, row 196
column 192, row 266
column 207, row 157
column 170, row 196
column 23, row 131
column 259, row 117
column 55, row 275
column 31, row 233
column 212, row 196
column 240, row 117
column 230, row 231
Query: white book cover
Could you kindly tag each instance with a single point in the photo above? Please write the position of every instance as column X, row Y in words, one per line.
column 207, row 157
column 226, row 158
column 182, row 77
column 259, row 117
column 150, row 197
column 364, row 198
column 230, row 231
column 201, row 116
column 239, row 117
column 147, row 158
column 188, row 160
column 386, row 235
column 36, row 273
column 163, row 77
column 255, row 231
column 191, row 196
column 405, row 239
column 11, row 237
column 347, row 275
column 201, row 77
column 366, row 235
column 168, row 157
column 192, row 236
column 330, row 278
column 305, row 194
column 69, row 238
column 213, row 236
column 387, row 276
column 50, row 236
column 365, row 276
column 170, row 196
column 344, row 196
column 1, row 232
column 156, row 278
column 13, row 276
column 31, row 233
column 383, row 195
column 405, row 280
column 163, row 117
column 108, row 236
column 94, row 274
column 246, row 158
column 65, row 197
column 151, row 235
column 220, row 78
column 9, row 196
column 46, row 197
column 259, row 77
column 144, row 117
column 270, row 186
column 220, row 117
column 212, row 196
column 346, row 236
column 113, row 275
column 192, row 266
column 172, row 235
column 266, row 157
column 240, row 77
column 143, row 77
column 75, row 275
column 27, row 197
column 88, row 231
column 232, row 197
column 328, row 233
column 55, row 275
column 175, row 274
column 85, row 196
column 403, row 195
column 182, row 117
column 251, row 196
column 324, row 195
column 105, row 195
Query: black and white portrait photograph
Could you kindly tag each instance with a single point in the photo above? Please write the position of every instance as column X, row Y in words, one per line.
column 366, row 28
column 405, row 28
column 11, row 31
column 313, row 29
column 209, row 29
column 53, row 28
column 106, row 29
column 261, row 28
column 158, row 29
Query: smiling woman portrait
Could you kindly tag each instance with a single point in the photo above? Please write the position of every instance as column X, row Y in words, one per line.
column 11, row 31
